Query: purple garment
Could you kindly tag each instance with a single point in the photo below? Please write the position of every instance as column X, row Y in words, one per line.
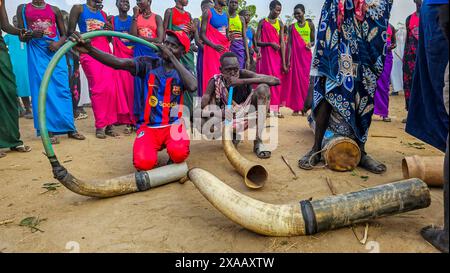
column 238, row 48
column 199, row 72
column 383, row 86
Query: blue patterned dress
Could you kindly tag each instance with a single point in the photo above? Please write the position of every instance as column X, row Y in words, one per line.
column 348, row 61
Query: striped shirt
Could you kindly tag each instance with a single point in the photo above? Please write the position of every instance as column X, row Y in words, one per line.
column 163, row 94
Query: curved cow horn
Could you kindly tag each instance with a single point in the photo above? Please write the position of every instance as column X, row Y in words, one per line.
column 309, row 217
column 140, row 181
column 255, row 175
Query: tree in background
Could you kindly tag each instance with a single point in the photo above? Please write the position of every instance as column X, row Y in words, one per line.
column 289, row 20
column 310, row 15
column 252, row 9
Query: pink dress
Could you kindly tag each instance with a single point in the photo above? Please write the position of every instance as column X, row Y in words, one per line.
column 296, row 83
column 102, row 88
column 125, row 81
column 211, row 57
column 271, row 63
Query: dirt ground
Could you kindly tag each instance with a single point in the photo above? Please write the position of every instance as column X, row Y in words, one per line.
column 177, row 218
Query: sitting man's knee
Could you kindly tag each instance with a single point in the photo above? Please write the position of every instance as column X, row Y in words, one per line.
column 145, row 164
column 263, row 91
column 178, row 152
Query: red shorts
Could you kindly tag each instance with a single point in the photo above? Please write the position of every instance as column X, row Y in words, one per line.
column 149, row 141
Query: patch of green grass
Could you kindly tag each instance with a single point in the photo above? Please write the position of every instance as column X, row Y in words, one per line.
column 364, row 177
column 51, row 187
column 32, row 223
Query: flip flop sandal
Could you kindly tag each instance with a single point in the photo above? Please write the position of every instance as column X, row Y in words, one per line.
column 77, row 136
column 261, row 152
column 81, row 116
column 279, row 115
column 387, row 119
column 100, row 134
column 295, row 114
column 111, row 133
column 28, row 116
column 54, row 140
column 21, row 149
column 305, row 162
column 128, row 130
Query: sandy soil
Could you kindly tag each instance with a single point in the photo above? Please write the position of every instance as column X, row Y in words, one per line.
column 176, row 218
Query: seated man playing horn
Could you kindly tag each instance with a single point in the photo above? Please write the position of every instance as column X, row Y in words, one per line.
column 347, row 65
column 160, row 126
column 244, row 96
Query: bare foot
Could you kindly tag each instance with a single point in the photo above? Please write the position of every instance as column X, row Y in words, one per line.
column 76, row 135
column 21, row 149
column 372, row 165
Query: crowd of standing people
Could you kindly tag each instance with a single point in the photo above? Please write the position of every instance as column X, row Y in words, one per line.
column 220, row 29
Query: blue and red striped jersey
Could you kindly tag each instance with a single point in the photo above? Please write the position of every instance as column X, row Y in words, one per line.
column 163, row 94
